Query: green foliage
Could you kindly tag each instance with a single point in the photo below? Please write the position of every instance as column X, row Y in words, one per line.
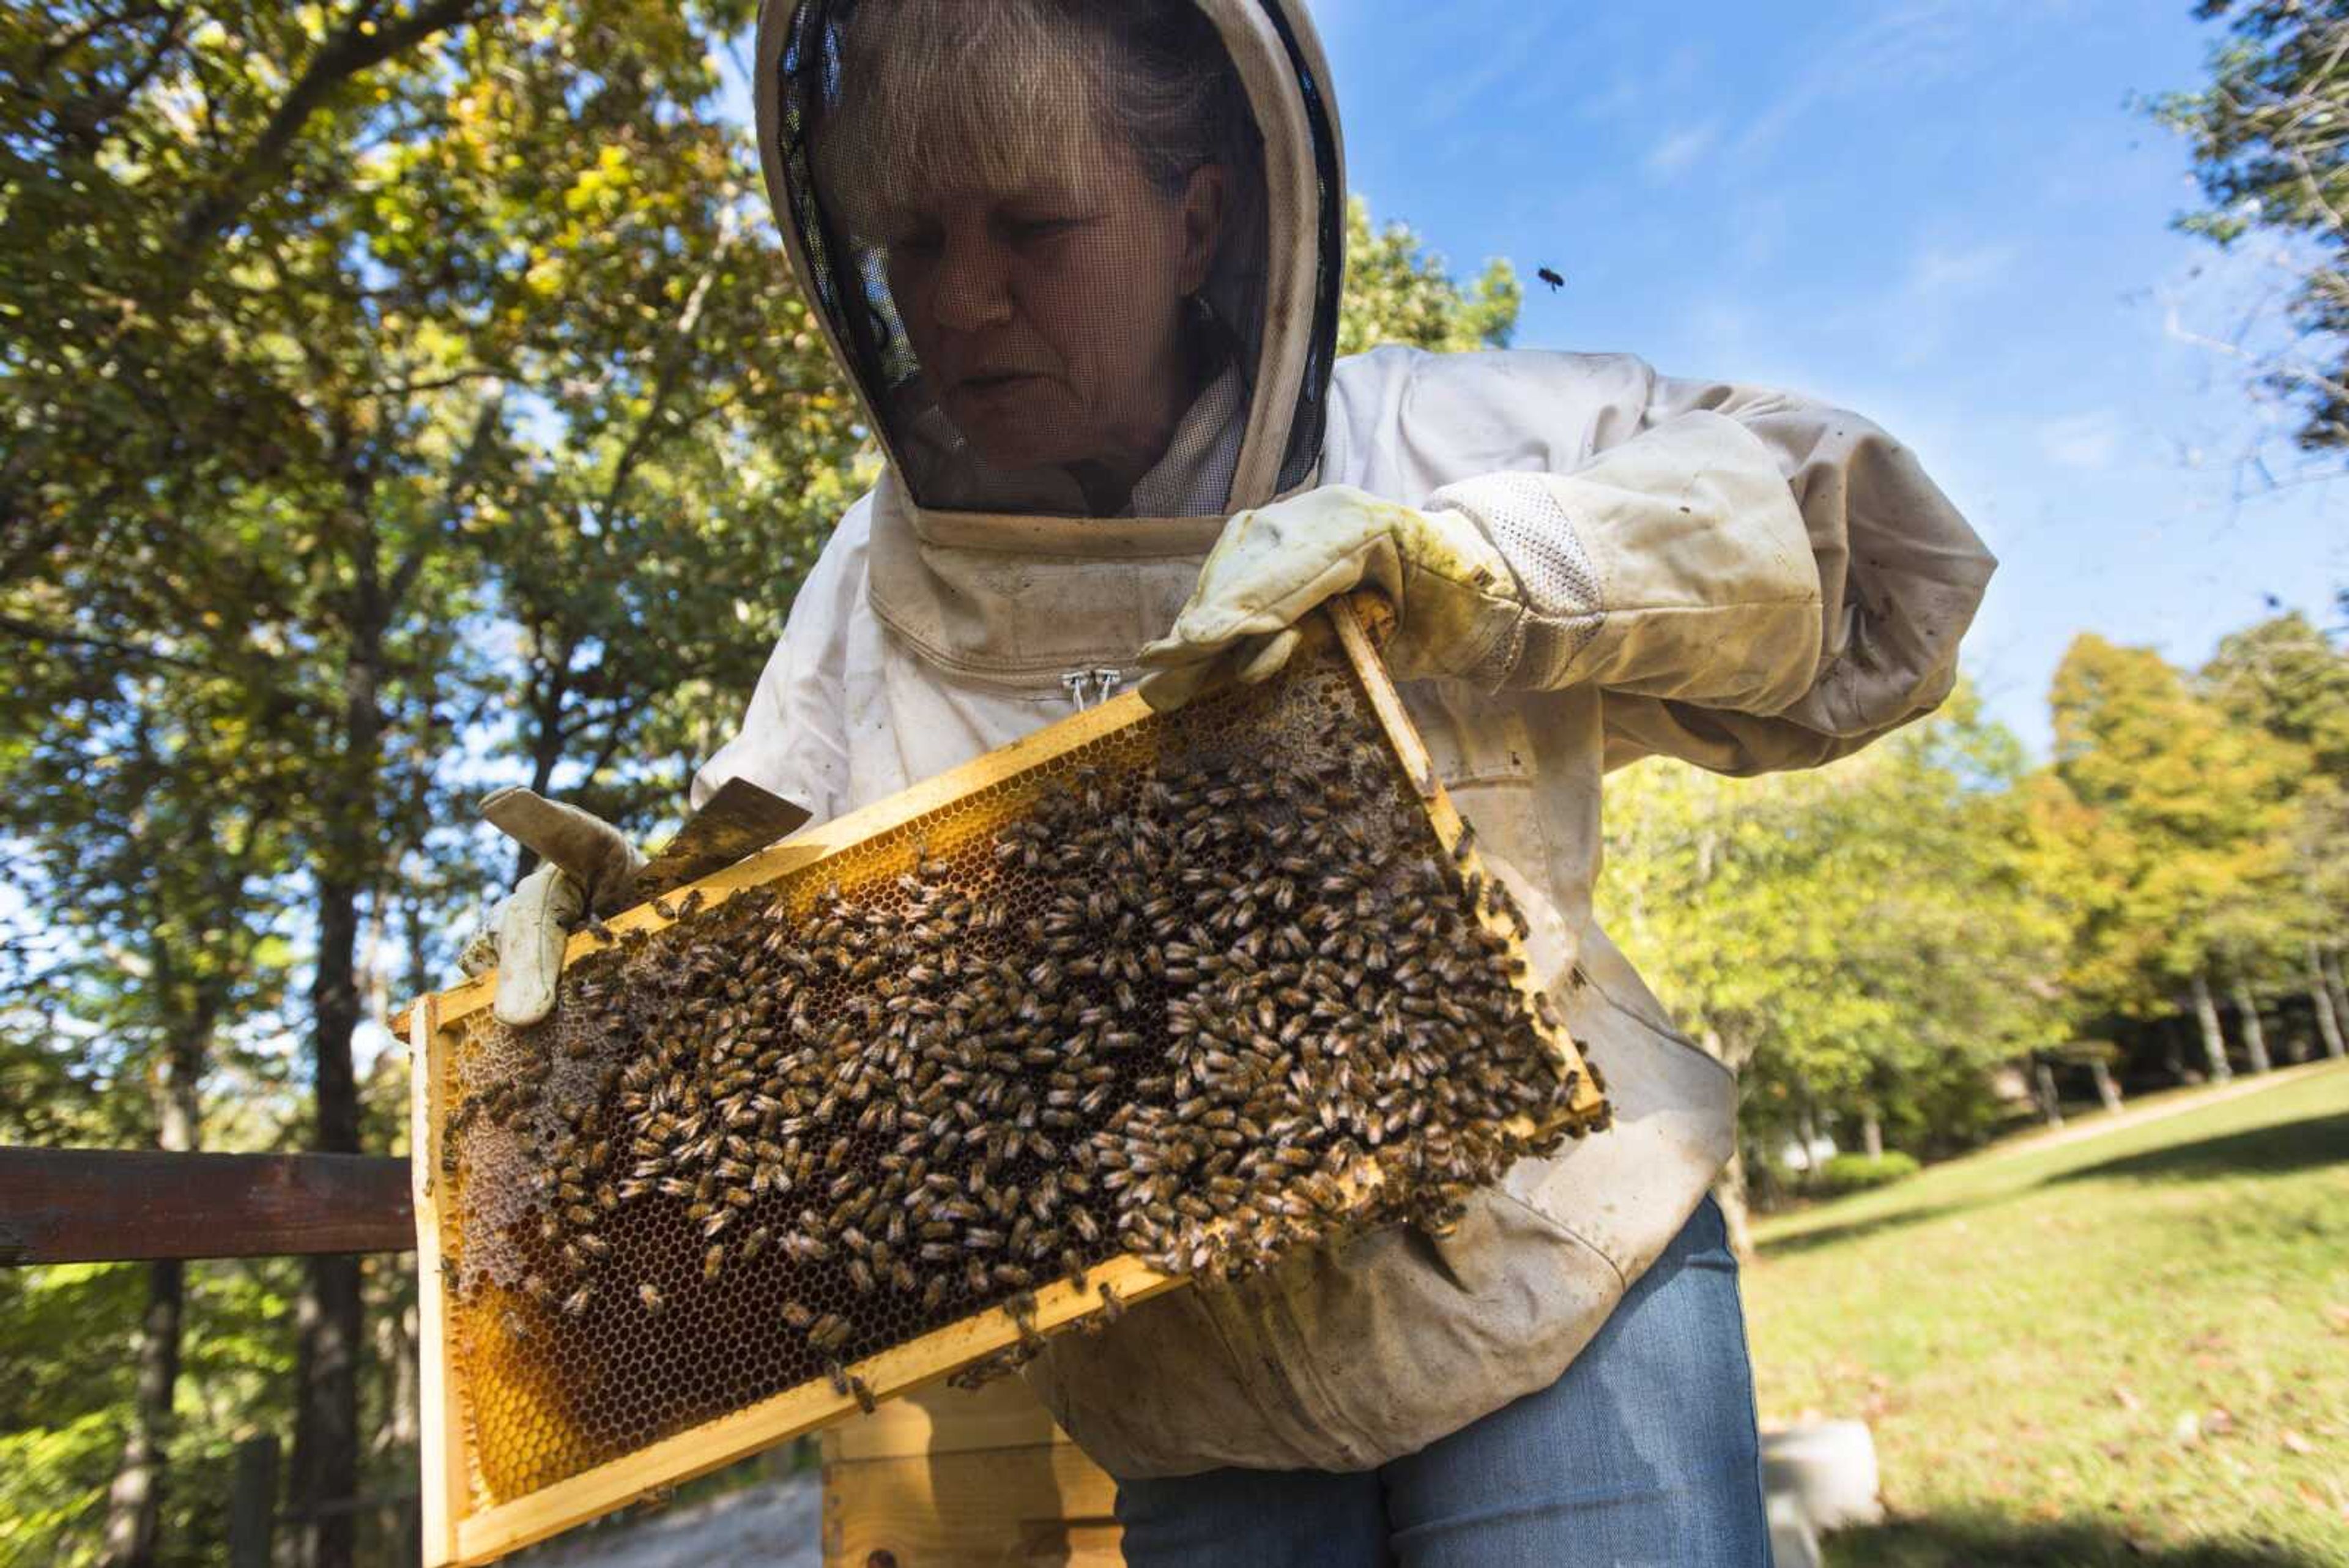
column 65, row 1388
column 401, row 385
column 2285, row 680
column 1865, row 938
column 1397, row 293
column 2271, row 143
column 1858, row 1172
column 2173, row 822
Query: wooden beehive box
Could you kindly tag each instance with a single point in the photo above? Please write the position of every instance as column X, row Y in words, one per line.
column 560, row 1384
column 950, row 1479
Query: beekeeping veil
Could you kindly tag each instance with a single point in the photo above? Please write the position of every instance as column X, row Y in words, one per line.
column 998, row 209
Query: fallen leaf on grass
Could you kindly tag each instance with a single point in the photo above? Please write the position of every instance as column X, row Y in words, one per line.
column 2218, row 1423
column 2295, row 1442
column 2187, row 1429
column 2127, row 1399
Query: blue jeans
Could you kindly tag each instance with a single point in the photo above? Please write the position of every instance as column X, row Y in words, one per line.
column 1643, row 1453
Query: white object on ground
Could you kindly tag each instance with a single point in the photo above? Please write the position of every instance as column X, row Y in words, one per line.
column 1794, row 1540
column 1829, row 1468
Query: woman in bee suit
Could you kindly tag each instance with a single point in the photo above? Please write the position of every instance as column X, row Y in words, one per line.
column 1081, row 259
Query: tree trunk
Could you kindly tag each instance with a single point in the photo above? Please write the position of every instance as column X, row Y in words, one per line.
column 134, row 1505
column 2214, row 1043
column 1872, row 1134
column 2255, row 1037
column 1729, row 1191
column 2320, row 998
column 2328, row 963
column 2173, row 1047
column 2107, row 1092
column 327, row 1318
column 399, row 1351
column 2050, row 1106
column 1729, row 1184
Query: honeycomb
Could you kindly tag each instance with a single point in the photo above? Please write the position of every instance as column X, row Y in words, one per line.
column 1204, row 989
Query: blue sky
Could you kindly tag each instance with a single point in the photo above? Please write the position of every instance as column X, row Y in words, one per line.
column 1941, row 214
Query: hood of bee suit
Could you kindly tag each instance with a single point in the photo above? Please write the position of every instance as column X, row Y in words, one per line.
column 995, row 209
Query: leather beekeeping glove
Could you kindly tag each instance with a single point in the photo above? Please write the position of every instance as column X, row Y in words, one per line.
column 1456, row 602
column 590, row 866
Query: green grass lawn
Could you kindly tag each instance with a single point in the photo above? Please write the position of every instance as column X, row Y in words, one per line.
column 2132, row 1348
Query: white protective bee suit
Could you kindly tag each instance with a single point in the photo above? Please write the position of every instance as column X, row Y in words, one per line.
column 1735, row 577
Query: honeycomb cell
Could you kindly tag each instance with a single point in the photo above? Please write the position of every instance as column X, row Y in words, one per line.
column 1203, row 991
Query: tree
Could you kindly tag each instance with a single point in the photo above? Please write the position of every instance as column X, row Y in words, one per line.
column 2283, row 678
column 1863, row 940
column 1398, row 293
column 156, row 850
column 2270, row 145
column 359, row 236
column 2197, row 813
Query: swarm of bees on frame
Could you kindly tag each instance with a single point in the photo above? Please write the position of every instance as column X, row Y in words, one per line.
column 1207, row 1009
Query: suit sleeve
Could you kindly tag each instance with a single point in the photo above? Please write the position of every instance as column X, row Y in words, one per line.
column 1755, row 580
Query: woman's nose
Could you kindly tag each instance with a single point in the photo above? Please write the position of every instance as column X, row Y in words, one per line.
column 973, row 285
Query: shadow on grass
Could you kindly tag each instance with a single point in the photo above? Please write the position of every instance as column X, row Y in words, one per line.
column 1984, row 1540
column 2271, row 1151
column 1853, row 1229
column 2262, row 1151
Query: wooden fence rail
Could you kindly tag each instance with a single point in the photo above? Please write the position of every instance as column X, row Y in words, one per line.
column 85, row 1205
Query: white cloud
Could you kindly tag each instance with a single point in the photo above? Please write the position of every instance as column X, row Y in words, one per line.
column 1939, row 274
column 2089, row 440
column 1509, row 55
column 1904, row 45
column 1681, row 148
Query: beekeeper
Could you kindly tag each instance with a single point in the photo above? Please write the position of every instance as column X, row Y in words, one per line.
column 1081, row 259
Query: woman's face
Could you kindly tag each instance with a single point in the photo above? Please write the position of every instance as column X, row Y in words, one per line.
column 1048, row 318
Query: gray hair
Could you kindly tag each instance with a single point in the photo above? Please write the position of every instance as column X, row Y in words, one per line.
column 934, row 96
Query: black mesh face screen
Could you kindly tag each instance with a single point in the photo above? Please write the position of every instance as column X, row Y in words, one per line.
column 1040, row 232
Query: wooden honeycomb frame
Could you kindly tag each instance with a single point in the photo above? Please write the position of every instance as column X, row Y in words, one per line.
column 460, row 1528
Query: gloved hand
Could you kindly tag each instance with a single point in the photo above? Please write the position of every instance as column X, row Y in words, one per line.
column 1457, row 603
column 589, row 865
